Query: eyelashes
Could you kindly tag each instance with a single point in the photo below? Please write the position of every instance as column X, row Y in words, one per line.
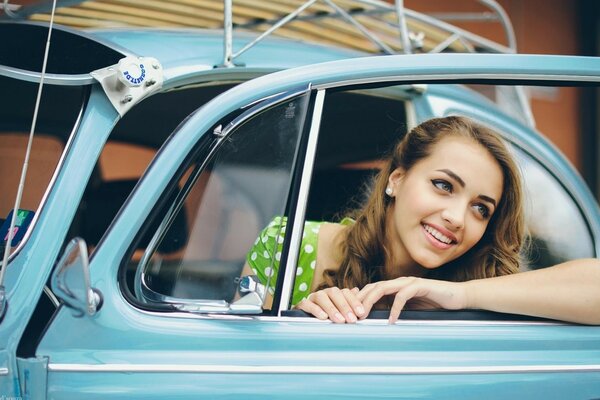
column 483, row 210
column 445, row 186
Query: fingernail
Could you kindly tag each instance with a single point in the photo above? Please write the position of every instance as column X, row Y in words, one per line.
column 360, row 310
column 323, row 315
column 339, row 317
column 351, row 317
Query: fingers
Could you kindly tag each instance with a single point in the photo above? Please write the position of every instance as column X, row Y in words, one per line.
column 339, row 305
column 404, row 289
column 309, row 307
column 400, row 301
column 373, row 292
column 348, row 305
column 351, row 306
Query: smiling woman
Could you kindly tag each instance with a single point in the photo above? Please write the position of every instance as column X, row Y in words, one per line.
column 445, row 214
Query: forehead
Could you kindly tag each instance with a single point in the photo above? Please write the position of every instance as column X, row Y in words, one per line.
column 470, row 160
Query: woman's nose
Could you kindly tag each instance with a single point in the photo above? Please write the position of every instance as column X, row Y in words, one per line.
column 454, row 217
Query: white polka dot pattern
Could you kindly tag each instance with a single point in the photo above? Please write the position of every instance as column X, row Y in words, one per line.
column 266, row 254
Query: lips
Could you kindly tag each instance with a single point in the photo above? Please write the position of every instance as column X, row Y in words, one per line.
column 443, row 238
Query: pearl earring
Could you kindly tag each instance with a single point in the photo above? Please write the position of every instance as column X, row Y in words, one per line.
column 389, row 191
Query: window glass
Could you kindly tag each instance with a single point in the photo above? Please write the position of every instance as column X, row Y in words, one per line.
column 227, row 203
column 557, row 227
column 129, row 150
column 57, row 116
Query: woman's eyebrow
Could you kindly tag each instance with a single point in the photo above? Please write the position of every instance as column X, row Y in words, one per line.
column 451, row 174
column 488, row 199
column 458, row 179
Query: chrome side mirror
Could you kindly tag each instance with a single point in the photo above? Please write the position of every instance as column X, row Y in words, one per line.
column 71, row 280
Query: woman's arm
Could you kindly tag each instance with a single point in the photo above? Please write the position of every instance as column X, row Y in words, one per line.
column 567, row 292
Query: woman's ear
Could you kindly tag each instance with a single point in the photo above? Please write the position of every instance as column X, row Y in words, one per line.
column 395, row 177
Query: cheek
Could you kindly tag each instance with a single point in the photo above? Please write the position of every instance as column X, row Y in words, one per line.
column 476, row 230
column 416, row 201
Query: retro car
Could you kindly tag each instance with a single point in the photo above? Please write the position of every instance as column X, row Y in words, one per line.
column 153, row 170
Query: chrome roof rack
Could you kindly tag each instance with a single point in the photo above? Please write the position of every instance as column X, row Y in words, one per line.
column 368, row 26
column 393, row 18
column 373, row 26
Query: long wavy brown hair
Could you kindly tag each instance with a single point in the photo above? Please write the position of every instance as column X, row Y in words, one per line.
column 497, row 252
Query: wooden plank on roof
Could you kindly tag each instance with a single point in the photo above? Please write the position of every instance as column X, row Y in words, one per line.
column 77, row 22
column 123, row 10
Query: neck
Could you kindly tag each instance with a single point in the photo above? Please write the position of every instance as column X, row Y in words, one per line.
column 397, row 261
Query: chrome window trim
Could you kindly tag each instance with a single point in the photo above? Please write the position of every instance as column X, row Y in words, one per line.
column 448, row 77
column 260, row 105
column 297, row 228
column 49, row 79
column 368, row 322
column 323, row 370
column 52, row 182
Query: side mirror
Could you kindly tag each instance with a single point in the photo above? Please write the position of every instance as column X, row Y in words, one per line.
column 71, row 280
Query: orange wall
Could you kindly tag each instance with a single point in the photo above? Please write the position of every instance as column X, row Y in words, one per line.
column 541, row 27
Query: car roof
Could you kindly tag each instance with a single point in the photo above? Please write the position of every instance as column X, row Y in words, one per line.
column 184, row 47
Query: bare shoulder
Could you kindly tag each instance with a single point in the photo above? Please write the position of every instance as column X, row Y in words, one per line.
column 329, row 255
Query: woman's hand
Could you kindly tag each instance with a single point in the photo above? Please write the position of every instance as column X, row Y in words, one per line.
column 338, row 305
column 350, row 305
column 424, row 293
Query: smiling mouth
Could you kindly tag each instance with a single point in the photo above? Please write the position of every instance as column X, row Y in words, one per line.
column 439, row 236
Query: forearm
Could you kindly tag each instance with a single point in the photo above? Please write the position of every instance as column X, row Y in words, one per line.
column 568, row 292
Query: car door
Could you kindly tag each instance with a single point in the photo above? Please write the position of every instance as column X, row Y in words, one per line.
column 174, row 322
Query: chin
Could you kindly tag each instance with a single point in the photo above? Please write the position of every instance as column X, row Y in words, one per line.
column 430, row 262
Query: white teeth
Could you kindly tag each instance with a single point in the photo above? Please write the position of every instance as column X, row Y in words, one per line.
column 438, row 235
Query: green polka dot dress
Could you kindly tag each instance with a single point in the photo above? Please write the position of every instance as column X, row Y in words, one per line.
column 265, row 255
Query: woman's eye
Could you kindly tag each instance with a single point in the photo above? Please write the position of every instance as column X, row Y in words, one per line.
column 483, row 210
column 442, row 185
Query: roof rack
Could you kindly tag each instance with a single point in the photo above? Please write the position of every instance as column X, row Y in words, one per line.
column 371, row 26
column 409, row 25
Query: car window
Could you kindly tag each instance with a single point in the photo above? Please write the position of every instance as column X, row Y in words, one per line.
column 358, row 128
column 558, row 230
column 60, row 107
column 227, row 202
column 132, row 145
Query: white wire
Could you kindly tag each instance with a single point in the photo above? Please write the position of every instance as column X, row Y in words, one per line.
column 28, row 152
column 7, row 10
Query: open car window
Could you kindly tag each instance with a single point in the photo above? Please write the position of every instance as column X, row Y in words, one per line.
column 559, row 227
column 228, row 217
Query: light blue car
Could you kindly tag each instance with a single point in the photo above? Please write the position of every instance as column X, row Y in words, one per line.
column 166, row 167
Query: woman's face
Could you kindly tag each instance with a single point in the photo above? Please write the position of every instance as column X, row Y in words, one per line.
column 443, row 204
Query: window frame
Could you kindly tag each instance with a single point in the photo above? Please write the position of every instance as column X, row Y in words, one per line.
column 206, row 149
column 283, row 288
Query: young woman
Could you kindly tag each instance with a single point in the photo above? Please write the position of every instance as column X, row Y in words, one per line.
column 443, row 228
